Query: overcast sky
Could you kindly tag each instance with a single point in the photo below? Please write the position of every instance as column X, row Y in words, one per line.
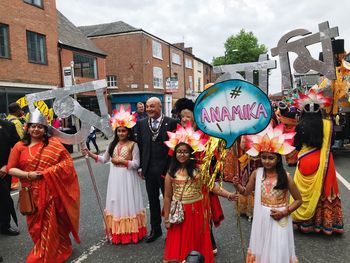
column 206, row 24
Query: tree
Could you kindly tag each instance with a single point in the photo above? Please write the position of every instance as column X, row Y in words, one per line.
column 241, row 48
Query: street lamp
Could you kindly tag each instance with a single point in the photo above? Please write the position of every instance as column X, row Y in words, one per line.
column 233, row 50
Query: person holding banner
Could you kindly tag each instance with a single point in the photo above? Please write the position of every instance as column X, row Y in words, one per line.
column 125, row 212
column 45, row 167
column 271, row 239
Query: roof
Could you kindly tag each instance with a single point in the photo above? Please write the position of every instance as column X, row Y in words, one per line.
column 70, row 35
column 107, row 29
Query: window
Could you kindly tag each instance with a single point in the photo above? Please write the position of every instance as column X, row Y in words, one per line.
column 175, row 58
column 84, row 66
column 112, row 81
column 188, row 63
column 35, row 2
column 199, row 85
column 157, row 49
column 4, row 41
column 190, row 80
column 36, row 47
column 157, row 78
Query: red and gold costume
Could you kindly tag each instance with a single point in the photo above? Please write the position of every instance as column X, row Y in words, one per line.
column 194, row 232
column 316, row 180
column 56, row 197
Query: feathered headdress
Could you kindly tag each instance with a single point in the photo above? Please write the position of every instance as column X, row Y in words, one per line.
column 312, row 98
column 122, row 118
column 270, row 140
column 186, row 135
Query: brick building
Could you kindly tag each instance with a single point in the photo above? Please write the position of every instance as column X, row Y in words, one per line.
column 140, row 65
column 28, row 49
column 79, row 60
column 36, row 44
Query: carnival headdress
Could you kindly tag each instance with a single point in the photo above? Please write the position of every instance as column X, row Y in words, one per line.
column 271, row 140
column 37, row 117
column 122, row 118
column 312, row 98
column 187, row 135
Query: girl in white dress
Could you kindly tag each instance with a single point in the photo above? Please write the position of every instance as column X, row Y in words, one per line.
column 125, row 212
column 271, row 239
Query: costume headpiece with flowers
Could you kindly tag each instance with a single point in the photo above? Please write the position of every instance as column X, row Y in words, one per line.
column 271, row 140
column 312, row 97
column 186, row 135
column 122, row 118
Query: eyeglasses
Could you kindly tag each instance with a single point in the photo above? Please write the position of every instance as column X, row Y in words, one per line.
column 182, row 153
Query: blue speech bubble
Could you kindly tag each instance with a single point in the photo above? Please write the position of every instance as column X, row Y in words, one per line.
column 232, row 108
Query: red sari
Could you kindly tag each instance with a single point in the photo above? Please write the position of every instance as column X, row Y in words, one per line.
column 56, row 197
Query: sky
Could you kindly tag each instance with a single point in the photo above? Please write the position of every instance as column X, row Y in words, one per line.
column 205, row 25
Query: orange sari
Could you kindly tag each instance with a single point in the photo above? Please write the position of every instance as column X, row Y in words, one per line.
column 56, row 197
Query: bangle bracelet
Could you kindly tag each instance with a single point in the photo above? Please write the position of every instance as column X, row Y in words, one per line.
column 28, row 176
column 166, row 221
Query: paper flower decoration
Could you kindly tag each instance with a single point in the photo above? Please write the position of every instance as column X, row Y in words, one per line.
column 311, row 98
column 187, row 135
column 270, row 140
column 122, row 118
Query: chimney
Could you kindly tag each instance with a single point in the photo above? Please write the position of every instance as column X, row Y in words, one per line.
column 180, row 45
column 188, row 49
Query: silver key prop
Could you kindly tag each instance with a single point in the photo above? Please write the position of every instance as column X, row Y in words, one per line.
column 65, row 106
column 304, row 62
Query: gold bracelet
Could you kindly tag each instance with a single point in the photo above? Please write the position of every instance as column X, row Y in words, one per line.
column 166, row 221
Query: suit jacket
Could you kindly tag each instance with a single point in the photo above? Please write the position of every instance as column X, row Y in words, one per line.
column 144, row 140
column 8, row 138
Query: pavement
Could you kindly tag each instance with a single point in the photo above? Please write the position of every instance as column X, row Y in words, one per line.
column 102, row 144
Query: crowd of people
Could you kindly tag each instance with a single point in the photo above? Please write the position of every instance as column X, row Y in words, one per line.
column 168, row 153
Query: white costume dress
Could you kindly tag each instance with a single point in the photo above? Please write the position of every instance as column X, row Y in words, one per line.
column 125, row 212
column 271, row 241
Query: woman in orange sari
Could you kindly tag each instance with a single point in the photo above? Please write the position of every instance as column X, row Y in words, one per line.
column 45, row 165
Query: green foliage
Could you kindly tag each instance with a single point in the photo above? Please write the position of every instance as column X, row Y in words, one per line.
column 241, row 48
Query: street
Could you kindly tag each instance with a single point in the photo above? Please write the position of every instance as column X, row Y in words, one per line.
column 94, row 248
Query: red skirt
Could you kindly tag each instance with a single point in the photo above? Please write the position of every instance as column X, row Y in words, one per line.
column 192, row 234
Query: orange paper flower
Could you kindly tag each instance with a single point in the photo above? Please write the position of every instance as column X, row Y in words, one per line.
column 122, row 118
column 187, row 135
column 271, row 140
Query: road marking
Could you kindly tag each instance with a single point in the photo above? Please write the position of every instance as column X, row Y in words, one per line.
column 89, row 252
column 342, row 179
column 15, row 193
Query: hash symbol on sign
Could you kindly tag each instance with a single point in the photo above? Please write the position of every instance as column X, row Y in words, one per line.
column 235, row 92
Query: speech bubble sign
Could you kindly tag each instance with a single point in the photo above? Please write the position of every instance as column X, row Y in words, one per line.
column 232, row 108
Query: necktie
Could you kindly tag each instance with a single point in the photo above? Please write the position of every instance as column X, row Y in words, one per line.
column 155, row 124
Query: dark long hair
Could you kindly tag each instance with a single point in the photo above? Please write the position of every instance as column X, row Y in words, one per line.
column 175, row 164
column 282, row 180
column 27, row 139
column 116, row 140
column 309, row 130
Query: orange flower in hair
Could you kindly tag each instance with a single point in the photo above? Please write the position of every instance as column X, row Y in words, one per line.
column 122, row 118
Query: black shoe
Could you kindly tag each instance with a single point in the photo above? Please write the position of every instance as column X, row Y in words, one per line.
column 153, row 236
column 10, row 232
column 1, row 259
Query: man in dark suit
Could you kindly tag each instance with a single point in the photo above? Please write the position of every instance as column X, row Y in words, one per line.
column 8, row 138
column 151, row 135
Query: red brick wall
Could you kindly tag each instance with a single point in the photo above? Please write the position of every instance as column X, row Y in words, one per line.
column 124, row 59
column 67, row 57
column 20, row 17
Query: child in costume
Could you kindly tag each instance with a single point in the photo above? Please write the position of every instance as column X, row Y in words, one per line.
column 125, row 212
column 210, row 156
column 183, row 183
column 315, row 175
column 271, row 239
